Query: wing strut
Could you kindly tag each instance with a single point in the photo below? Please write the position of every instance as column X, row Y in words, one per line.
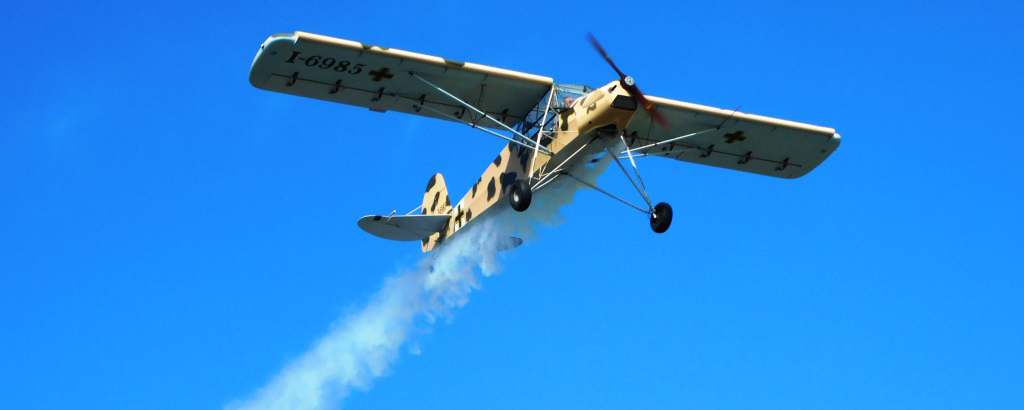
column 671, row 140
column 535, row 145
column 457, row 119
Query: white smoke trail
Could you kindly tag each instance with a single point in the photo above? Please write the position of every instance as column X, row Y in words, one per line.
column 361, row 346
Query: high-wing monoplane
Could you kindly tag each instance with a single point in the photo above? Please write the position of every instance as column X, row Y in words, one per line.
column 552, row 129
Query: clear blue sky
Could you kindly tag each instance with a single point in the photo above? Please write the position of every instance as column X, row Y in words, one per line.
column 172, row 237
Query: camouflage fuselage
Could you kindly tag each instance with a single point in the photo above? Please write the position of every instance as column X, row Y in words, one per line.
column 589, row 125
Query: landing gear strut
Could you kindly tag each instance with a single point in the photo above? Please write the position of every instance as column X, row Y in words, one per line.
column 520, row 195
column 660, row 215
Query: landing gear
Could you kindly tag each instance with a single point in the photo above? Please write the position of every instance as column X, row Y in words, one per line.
column 520, row 195
column 661, row 217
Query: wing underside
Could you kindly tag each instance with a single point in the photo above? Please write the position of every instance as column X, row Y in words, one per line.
column 733, row 140
column 378, row 78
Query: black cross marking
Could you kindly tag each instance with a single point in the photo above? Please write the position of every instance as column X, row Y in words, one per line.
column 383, row 72
column 733, row 137
column 458, row 217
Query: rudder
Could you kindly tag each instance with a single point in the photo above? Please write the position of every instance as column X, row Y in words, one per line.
column 435, row 199
column 436, row 202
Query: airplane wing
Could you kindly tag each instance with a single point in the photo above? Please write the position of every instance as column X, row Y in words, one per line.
column 733, row 140
column 378, row 78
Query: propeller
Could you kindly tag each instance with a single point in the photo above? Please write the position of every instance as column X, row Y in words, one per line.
column 629, row 84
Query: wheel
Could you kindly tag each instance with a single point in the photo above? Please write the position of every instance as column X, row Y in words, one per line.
column 520, row 195
column 661, row 218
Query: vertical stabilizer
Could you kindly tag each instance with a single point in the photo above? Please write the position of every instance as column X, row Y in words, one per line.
column 436, row 202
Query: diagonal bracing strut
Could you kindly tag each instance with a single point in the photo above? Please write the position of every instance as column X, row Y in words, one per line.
column 457, row 119
column 642, row 189
column 605, row 192
column 671, row 140
column 535, row 145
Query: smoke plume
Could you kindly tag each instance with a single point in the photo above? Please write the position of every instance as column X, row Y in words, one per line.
column 361, row 346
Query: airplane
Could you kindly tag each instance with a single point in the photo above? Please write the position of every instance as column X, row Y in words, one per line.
column 551, row 129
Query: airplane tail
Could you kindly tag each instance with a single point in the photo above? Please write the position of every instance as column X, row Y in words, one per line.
column 436, row 202
column 435, row 199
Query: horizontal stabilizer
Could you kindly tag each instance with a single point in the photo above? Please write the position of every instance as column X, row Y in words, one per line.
column 403, row 227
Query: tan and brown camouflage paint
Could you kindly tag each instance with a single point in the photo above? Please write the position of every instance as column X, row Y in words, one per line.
column 586, row 115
